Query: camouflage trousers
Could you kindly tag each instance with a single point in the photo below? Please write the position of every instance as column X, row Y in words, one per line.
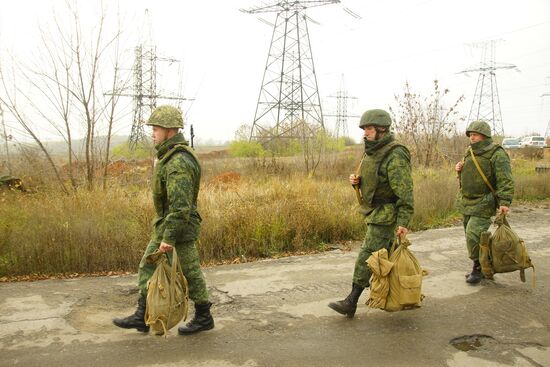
column 377, row 237
column 190, row 265
column 473, row 226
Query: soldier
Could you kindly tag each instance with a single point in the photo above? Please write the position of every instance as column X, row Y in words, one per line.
column 476, row 201
column 385, row 191
column 175, row 187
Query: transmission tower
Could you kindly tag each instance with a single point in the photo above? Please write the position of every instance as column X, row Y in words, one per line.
column 486, row 103
column 342, row 97
column 144, row 91
column 546, row 94
column 289, row 95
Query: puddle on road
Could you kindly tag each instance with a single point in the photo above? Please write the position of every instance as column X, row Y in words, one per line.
column 470, row 342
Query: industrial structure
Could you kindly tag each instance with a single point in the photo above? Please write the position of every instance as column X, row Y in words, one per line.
column 341, row 124
column 486, row 102
column 145, row 91
column 289, row 105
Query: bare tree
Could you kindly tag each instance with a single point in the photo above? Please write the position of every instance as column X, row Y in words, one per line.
column 8, row 98
column 68, row 74
column 313, row 142
column 6, row 139
column 422, row 122
column 110, row 112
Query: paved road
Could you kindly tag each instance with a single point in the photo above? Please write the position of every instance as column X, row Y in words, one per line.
column 273, row 313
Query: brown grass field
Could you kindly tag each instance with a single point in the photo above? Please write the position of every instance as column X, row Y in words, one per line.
column 251, row 208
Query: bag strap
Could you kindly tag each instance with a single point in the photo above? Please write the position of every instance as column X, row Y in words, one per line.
column 500, row 219
column 397, row 240
column 481, row 172
column 358, row 193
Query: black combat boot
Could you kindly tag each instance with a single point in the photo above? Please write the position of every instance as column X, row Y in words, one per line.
column 476, row 275
column 202, row 321
column 349, row 305
column 135, row 321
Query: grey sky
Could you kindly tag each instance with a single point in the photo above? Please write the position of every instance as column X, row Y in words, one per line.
column 224, row 52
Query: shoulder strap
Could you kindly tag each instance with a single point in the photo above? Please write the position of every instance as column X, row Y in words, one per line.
column 358, row 193
column 481, row 172
column 182, row 148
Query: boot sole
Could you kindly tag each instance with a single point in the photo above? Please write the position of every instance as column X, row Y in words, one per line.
column 204, row 328
column 340, row 311
column 474, row 281
column 141, row 329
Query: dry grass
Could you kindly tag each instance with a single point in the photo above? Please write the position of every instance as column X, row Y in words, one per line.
column 251, row 208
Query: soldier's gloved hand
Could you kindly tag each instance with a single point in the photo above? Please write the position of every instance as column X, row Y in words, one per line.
column 459, row 166
column 164, row 247
column 354, row 180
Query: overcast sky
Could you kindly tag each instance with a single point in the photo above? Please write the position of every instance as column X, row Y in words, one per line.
column 223, row 52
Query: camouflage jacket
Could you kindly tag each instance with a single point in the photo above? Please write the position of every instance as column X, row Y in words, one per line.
column 475, row 197
column 392, row 199
column 175, row 188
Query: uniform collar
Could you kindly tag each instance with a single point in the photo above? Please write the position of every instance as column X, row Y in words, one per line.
column 482, row 146
column 372, row 146
column 168, row 144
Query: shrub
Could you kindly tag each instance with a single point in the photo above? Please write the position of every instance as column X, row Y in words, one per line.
column 245, row 149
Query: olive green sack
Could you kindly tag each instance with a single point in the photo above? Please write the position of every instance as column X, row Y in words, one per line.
column 404, row 279
column 381, row 266
column 167, row 294
column 503, row 251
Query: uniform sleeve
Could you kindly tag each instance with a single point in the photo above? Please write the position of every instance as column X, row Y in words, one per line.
column 400, row 180
column 179, row 192
column 504, row 180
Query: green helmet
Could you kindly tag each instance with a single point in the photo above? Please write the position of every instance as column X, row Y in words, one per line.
column 480, row 127
column 166, row 116
column 375, row 118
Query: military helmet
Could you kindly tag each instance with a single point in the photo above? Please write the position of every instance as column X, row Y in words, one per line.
column 375, row 118
column 480, row 127
column 166, row 116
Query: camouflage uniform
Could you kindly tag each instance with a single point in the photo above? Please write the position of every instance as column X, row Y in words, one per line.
column 386, row 196
column 475, row 201
column 387, row 191
column 175, row 187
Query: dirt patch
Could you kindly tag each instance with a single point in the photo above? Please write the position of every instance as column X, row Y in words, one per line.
column 225, row 180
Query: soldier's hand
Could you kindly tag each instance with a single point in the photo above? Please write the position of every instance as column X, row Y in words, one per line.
column 164, row 247
column 402, row 231
column 459, row 166
column 354, row 179
column 503, row 210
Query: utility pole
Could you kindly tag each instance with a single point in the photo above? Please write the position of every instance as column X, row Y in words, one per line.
column 486, row 102
column 342, row 97
column 289, row 94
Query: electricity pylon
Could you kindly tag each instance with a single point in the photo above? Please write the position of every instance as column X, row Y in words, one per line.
column 289, row 94
column 342, row 97
column 144, row 91
column 486, row 102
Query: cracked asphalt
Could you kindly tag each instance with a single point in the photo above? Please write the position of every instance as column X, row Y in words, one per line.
column 274, row 313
